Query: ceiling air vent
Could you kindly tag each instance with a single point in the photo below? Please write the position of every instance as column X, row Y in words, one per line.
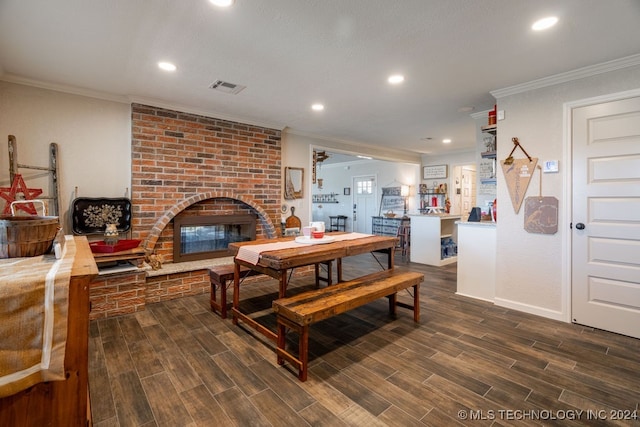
column 226, row 87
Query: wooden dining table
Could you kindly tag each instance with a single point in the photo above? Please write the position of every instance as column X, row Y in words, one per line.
column 284, row 253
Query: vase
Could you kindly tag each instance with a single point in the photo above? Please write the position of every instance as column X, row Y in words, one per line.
column 111, row 234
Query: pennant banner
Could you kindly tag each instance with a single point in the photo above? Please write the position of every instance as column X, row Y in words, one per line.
column 518, row 174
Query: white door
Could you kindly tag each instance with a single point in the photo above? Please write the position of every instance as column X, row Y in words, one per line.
column 364, row 203
column 463, row 195
column 606, row 216
column 468, row 190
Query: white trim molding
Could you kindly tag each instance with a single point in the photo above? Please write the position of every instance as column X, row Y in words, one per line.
column 580, row 73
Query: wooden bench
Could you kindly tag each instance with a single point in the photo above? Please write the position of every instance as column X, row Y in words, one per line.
column 300, row 311
column 221, row 277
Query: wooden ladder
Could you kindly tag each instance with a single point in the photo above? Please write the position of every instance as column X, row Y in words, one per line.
column 52, row 169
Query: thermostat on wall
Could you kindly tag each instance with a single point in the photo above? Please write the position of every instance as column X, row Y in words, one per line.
column 550, row 166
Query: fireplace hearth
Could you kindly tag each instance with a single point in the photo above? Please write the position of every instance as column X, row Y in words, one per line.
column 198, row 237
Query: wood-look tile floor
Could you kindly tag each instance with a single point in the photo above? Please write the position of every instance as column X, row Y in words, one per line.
column 467, row 363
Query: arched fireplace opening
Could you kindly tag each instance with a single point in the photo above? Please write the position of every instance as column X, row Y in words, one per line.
column 217, row 213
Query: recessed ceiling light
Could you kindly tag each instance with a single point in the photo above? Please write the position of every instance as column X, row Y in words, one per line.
column 446, row 141
column 544, row 23
column 465, row 109
column 167, row 66
column 395, row 79
column 317, row 107
column 222, row 3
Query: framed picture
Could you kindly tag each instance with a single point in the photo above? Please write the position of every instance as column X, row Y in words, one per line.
column 434, row 172
column 347, row 191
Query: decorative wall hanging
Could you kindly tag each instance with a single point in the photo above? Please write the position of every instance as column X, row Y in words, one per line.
column 392, row 199
column 517, row 174
column 434, row 172
column 293, row 183
column 19, row 191
column 541, row 213
column 91, row 215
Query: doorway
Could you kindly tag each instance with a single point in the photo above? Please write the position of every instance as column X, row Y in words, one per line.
column 463, row 195
column 605, row 234
column 364, row 202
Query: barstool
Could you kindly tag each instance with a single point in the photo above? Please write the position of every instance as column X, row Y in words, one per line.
column 404, row 239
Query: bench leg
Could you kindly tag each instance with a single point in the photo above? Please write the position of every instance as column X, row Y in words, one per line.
column 221, row 306
column 215, row 306
column 393, row 302
column 282, row 337
column 223, row 299
column 303, row 352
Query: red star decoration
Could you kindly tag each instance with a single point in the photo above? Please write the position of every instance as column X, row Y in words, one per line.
column 9, row 194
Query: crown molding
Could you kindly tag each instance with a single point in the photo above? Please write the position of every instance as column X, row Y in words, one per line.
column 381, row 153
column 580, row 73
column 203, row 112
column 129, row 99
column 72, row 90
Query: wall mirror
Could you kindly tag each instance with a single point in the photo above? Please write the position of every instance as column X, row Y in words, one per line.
column 293, row 183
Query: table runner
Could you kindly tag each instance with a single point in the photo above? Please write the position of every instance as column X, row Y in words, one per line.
column 251, row 253
column 34, row 295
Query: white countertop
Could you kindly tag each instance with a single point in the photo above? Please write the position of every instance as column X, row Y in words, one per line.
column 477, row 224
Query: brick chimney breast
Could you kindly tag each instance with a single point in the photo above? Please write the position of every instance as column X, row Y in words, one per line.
column 182, row 161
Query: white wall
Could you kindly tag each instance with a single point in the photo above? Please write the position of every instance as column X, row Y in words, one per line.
column 337, row 177
column 531, row 268
column 297, row 151
column 93, row 137
column 458, row 158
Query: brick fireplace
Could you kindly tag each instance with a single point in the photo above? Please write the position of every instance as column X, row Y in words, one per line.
column 200, row 165
column 189, row 165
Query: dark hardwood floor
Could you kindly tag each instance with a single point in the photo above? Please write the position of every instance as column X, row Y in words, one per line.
column 466, row 363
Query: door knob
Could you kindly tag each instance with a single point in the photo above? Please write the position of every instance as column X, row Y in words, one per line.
column 580, row 226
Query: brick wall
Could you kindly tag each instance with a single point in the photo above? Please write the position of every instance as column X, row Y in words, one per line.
column 183, row 161
column 200, row 166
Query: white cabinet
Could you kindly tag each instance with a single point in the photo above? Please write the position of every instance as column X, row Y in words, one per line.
column 428, row 232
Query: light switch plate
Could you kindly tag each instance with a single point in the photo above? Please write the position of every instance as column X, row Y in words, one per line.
column 550, row 166
column 500, row 114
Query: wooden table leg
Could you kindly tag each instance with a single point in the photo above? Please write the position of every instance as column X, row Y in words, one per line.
column 282, row 288
column 416, row 303
column 236, row 292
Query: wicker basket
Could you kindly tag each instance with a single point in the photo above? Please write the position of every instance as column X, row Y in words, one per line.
column 27, row 236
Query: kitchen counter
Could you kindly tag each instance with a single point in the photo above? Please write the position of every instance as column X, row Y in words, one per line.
column 477, row 259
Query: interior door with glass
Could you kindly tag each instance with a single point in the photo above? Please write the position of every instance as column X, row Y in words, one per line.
column 364, row 202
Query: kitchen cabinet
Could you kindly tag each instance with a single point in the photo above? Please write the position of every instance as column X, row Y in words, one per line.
column 434, row 239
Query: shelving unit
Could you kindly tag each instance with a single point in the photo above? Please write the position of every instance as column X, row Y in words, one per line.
column 488, row 169
column 427, row 235
column 325, row 198
column 426, row 202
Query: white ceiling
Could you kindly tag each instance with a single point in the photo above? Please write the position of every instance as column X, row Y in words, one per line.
column 292, row 53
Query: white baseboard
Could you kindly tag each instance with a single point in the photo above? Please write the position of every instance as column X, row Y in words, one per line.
column 531, row 309
column 474, row 297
